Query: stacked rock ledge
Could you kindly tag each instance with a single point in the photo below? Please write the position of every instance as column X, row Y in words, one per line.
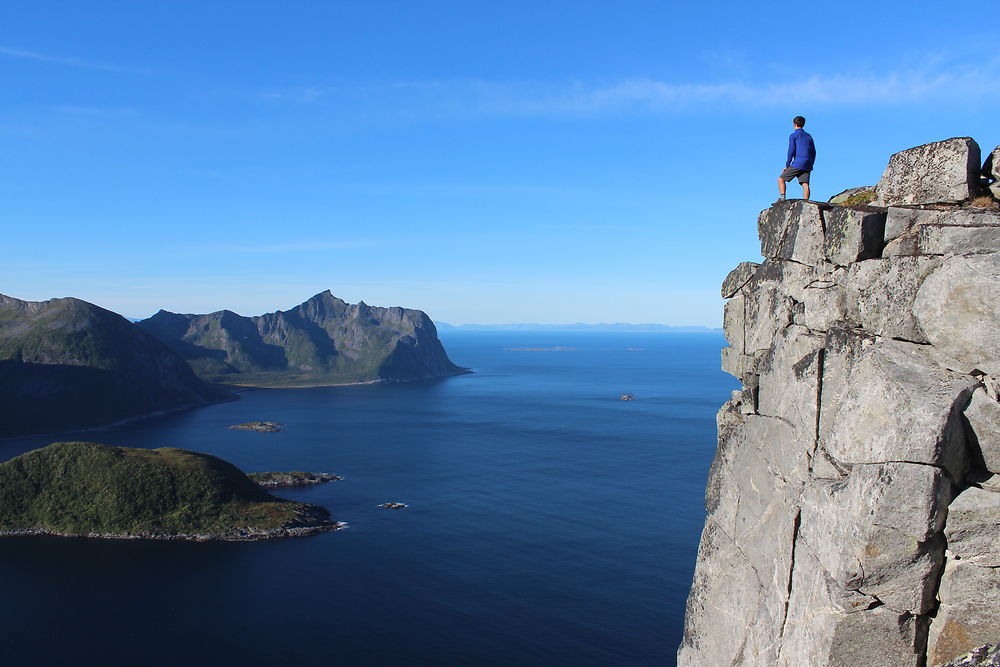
column 854, row 500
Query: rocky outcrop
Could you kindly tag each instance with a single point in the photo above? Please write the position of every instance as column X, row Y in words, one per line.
column 295, row 478
column 322, row 341
column 944, row 172
column 991, row 172
column 853, row 512
column 66, row 363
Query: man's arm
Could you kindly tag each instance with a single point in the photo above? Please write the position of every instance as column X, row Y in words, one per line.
column 791, row 150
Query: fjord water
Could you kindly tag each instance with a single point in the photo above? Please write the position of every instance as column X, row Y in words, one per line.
column 549, row 522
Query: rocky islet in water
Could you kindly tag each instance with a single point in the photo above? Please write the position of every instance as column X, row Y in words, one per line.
column 258, row 427
column 294, row 478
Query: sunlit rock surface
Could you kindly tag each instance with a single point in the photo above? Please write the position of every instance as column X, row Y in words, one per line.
column 853, row 513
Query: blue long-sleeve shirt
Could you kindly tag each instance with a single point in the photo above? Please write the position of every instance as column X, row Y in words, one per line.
column 801, row 150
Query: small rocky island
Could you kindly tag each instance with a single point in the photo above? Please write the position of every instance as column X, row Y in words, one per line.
column 273, row 480
column 83, row 489
column 393, row 506
column 258, row 427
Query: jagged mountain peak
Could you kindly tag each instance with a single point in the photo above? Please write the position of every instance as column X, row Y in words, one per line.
column 322, row 340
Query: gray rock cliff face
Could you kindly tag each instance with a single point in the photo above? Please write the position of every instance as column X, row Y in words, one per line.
column 854, row 500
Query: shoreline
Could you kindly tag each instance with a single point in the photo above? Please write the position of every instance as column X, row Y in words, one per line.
column 236, row 390
column 250, row 387
column 123, row 422
column 234, row 536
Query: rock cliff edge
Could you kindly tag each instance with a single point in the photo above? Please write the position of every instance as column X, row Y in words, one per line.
column 854, row 500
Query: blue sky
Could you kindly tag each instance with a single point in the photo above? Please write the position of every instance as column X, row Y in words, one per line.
column 483, row 161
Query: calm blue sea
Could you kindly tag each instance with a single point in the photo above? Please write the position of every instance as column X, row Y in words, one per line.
column 549, row 522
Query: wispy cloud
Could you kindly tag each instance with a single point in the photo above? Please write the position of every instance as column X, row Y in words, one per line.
column 653, row 96
column 933, row 81
column 61, row 60
column 298, row 95
column 292, row 247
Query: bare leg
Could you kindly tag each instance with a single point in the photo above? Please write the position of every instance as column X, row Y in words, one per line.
column 805, row 190
column 781, row 186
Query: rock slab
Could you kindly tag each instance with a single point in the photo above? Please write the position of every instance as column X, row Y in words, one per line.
column 936, row 173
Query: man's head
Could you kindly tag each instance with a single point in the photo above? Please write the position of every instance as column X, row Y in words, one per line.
column 799, row 121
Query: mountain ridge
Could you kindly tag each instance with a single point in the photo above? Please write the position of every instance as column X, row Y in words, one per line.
column 323, row 340
column 66, row 363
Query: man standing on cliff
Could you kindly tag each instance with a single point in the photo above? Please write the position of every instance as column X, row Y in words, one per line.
column 801, row 155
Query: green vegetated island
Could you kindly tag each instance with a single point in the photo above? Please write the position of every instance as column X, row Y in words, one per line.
column 68, row 364
column 93, row 490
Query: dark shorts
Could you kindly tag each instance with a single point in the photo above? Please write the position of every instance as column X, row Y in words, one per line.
column 791, row 172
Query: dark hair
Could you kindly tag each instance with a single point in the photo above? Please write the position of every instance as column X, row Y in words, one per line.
column 799, row 121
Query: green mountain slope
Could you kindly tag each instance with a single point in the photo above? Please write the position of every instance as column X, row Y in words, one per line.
column 66, row 363
column 76, row 488
column 322, row 341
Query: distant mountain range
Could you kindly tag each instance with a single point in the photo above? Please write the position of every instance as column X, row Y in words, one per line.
column 68, row 364
column 617, row 326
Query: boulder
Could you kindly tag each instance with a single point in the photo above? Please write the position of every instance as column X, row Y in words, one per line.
column 957, row 310
column 792, row 229
column 773, row 299
column 954, row 240
column 789, row 381
column 900, row 220
column 768, row 311
column 991, row 171
column 914, row 231
column 968, row 616
column 854, row 234
column 973, row 526
column 940, row 172
column 983, row 415
column 734, row 323
column 887, row 401
column 738, row 277
column 739, row 365
column 827, row 625
column 881, row 294
column 824, row 305
column 790, row 277
column 877, row 532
